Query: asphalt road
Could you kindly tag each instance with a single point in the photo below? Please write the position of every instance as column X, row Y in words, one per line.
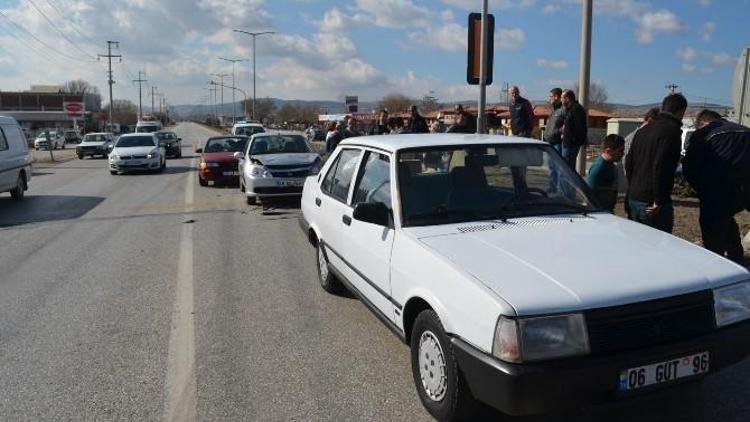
column 147, row 297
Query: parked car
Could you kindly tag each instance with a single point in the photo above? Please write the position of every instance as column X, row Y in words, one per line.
column 172, row 143
column 512, row 291
column 148, row 126
column 15, row 160
column 71, row 136
column 276, row 165
column 218, row 163
column 99, row 143
column 137, row 151
column 49, row 139
column 247, row 129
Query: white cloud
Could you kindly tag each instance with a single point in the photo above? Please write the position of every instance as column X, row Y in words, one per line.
column 509, row 39
column 722, row 59
column 476, row 5
column 707, row 30
column 552, row 64
column 336, row 21
column 687, row 54
column 396, row 13
column 705, row 3
column 652, row 23
column 549, row 9
column 447, row 37
column 688, row 67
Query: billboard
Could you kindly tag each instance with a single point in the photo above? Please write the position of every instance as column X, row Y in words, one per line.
column 352, row 104
column 74, row 109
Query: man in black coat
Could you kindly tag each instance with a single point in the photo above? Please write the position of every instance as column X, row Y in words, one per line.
column 717, row 166
column 521, row 114
column 651, row 163
column 417, row 123
column 575, row 127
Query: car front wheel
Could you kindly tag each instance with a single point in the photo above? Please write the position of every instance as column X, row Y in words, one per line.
column 328, row 281
column 20, row 190
column 439, row 382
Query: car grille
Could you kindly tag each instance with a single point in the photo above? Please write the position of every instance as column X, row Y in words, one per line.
column 132, row 157
column 286, row 166
column 297, row 173
column 278, row 190
column 650, row 323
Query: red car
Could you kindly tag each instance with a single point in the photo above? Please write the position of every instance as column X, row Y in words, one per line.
column 217, row 163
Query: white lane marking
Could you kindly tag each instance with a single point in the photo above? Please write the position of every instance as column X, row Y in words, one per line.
column 180, row 386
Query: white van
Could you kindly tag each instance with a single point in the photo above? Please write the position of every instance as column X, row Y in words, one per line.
column 247, row 129
column 148, row 126
column 15, row 160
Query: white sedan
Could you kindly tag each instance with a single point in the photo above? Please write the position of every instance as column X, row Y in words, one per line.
column 275, row 165
column 137, row 151
column 512, row 288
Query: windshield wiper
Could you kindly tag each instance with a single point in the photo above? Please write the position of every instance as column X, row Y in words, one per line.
column 442, row 213
column 575, row 207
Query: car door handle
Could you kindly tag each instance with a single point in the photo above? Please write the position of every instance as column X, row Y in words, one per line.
column 317, row 201
column 346, row 219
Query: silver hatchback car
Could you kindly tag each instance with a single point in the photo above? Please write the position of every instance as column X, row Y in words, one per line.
column 276, row 165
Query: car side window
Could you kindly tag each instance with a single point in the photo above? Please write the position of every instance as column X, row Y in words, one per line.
column 344, row 173
column 328, row 181
column 3, row 140
column 374, row 184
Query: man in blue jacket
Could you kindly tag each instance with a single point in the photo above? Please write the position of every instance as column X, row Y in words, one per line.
column 717, row 166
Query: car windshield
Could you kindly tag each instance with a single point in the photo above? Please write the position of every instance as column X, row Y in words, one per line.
column 248, row 130
column 94, row 138
column 147, row 129
column 452, row 184
column 279, row 144
column 166, row 136
column 135, row 141
column 225, row 145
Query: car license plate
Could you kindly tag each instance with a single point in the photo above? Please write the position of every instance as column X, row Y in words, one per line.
column 658, row 373
column 290, row 183
column 231, row 173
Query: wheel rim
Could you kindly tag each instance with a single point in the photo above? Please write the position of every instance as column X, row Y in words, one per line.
column 432, row 369
column 322, row 264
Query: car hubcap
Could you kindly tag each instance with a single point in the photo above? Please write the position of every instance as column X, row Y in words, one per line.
column 432, row 368
column 322, row 264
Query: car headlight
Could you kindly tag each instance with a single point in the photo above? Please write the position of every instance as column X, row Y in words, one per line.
column 259, row 171
column 732, row 304
column 540, row 338
column 152, row 155
column 204, row 165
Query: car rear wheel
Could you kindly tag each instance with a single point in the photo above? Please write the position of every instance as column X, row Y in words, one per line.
column 251, row 200
column 328, row 281
column 80, row 156
column 439, row 382
column 202, row 181
column 19, row 191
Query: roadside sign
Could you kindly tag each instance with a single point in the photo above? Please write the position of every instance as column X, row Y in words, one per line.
column 474, row 58
column 74, row 109
column 352, row 104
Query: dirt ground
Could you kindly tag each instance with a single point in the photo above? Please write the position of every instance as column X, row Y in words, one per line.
column 60, row 155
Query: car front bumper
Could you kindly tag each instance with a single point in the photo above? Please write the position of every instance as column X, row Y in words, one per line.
column 173, row 149
column 269, row 187
column 543, row 387
column 91, row 151
column 135, row 165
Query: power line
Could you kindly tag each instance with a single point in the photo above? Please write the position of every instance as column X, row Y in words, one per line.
column 140, row 82
column 70, row 21
column 76, row 59
column 110, row 56
column 59, row 31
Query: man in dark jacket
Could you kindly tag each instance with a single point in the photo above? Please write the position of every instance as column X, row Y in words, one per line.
column 464, row 122
column 381, row 127
column 417, row 123
column 521, row 114
column 575, row 128
column 651, row 164
column 717, row 166
column 553, row 131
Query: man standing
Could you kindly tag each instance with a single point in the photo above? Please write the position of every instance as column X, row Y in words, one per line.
column 575, row 128
column 553, row 131
column 651, row 163
column 717, row 166
column 463, row 122
column 417, row 123
column 521, row 114
column 381, row 127
column 351, row 128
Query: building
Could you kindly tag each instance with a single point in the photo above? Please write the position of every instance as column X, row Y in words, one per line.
column 37, row 109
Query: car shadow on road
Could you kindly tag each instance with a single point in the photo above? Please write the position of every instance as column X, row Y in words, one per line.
column 167, row 170
column 45, row 208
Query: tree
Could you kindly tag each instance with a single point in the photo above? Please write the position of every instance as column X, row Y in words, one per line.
column 264, row 108
column 597, row 96
column 396, row 103
column 123, row 112
column 428, row 104
column 91, row 96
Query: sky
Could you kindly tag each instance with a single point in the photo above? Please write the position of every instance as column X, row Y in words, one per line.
column 326, row 49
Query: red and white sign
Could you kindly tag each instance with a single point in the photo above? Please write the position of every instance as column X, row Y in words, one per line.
column 74, row 109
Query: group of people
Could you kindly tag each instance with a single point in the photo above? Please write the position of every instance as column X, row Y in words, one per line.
column 716, row 164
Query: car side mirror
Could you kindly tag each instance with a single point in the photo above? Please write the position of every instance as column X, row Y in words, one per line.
column 199, row 150
column 238, row 155
column 372, row 212
column 110, row 147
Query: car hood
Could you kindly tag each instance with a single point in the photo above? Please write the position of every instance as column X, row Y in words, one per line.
column 134, row 150
column 550, row 264
column 219, row 157
column 301, row 158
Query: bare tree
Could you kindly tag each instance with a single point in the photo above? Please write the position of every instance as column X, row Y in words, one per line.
column 91, row 95
column 124, row 112
column 264, row 108
column 396, row 103
column 597, row 96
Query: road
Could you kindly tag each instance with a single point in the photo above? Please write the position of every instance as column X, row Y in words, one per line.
column 147, row 297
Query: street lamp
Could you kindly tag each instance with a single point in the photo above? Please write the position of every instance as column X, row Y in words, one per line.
column 235, row 89
column 254, row 35
column 234, row 101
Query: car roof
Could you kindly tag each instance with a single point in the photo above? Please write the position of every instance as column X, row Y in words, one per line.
column 7, row 120
column 247, row 124
column 393, row 143
column 131, row 135
column 98, row 133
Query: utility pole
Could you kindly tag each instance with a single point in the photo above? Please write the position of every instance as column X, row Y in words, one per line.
column 221, row 78
column 672, row 87
column 153, row 94
column 234, row 86
column 254, row 35
column 110, row 56
column 584, row 76
column 481, row 109
column 140, row 82
column 743, row 91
